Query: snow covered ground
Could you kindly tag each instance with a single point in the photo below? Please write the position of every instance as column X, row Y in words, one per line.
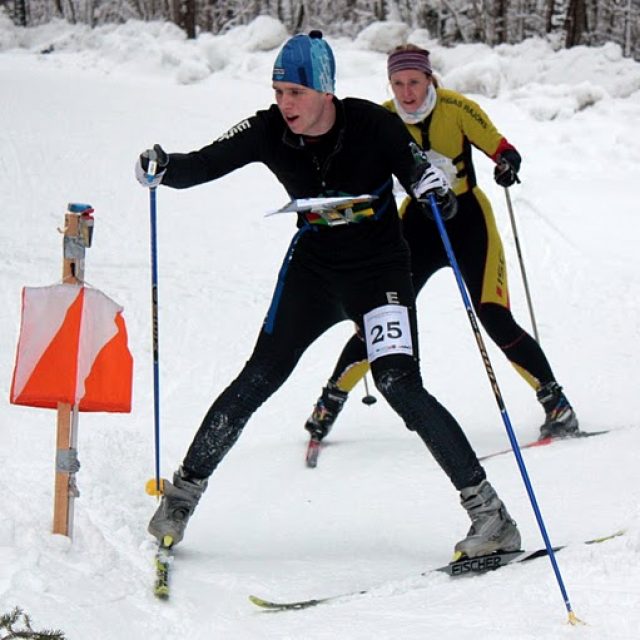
column 377, row 511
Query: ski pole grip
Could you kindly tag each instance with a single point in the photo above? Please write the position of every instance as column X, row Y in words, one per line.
column 152, row 169
column 503, row 163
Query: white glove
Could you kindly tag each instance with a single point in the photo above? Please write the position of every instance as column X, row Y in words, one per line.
column 157, row 155
column 432, row 181
column 145, row 179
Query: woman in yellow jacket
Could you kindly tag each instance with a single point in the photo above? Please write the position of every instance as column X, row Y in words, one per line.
column 447, row 125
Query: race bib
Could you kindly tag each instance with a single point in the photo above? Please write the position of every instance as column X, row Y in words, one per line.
column 387, row 332
column 445, row 165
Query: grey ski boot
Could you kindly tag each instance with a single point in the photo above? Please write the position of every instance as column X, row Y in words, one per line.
column 326, row 410
column 561, row 420
column 492, row 528
column 179, row 500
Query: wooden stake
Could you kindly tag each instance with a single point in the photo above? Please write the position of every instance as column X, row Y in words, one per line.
column 78, row 231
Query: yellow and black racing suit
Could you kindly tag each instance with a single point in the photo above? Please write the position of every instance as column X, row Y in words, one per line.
column 455, row 125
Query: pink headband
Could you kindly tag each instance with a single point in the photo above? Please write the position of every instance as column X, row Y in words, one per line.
column 407, row 59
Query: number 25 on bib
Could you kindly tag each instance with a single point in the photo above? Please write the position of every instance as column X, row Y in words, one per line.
column 387, row 332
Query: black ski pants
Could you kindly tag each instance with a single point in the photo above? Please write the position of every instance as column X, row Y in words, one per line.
column 310, row 297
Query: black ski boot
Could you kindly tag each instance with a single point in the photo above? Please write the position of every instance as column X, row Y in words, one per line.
column 325, row 412
column 561, row 420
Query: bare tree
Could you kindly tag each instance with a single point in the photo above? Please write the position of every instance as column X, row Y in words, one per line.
column 548, row 15
column 588, row 22
column 575, row 23
column 186, row 17
column 500, row 21
column 20, row 13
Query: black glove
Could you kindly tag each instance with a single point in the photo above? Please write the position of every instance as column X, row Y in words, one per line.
column 142, row 166
column 507, row 167
column 158, row 154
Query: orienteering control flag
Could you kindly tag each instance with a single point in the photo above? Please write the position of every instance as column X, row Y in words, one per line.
column 72, row 349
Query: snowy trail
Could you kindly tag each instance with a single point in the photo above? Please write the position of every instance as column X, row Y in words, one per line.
column 377, row 511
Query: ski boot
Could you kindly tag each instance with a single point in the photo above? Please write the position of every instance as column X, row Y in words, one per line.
column 178, row 503
column 326, row 410
column 561, row 420
column 492, row 529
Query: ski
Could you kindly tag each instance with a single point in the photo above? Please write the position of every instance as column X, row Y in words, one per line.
column 456, row 569
column 543, row 442
column 313, row 451
column 163, row 560
column 314, row 446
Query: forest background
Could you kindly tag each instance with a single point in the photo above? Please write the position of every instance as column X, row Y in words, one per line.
column 566, row 23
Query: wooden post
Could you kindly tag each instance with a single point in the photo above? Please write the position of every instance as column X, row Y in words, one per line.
column 78, row 232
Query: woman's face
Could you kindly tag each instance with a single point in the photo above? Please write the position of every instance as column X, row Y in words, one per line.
column 410, row 88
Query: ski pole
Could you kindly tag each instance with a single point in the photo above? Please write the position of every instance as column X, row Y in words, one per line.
column 368, row 398
column 503, row 410
column 521, row 261
column 151, row 171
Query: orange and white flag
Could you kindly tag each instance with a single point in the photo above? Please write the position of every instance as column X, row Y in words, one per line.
column 72, row 349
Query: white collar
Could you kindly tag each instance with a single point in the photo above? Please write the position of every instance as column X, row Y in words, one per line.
column 422, row 111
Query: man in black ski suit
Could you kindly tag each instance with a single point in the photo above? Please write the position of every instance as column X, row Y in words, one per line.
column 350, row 265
